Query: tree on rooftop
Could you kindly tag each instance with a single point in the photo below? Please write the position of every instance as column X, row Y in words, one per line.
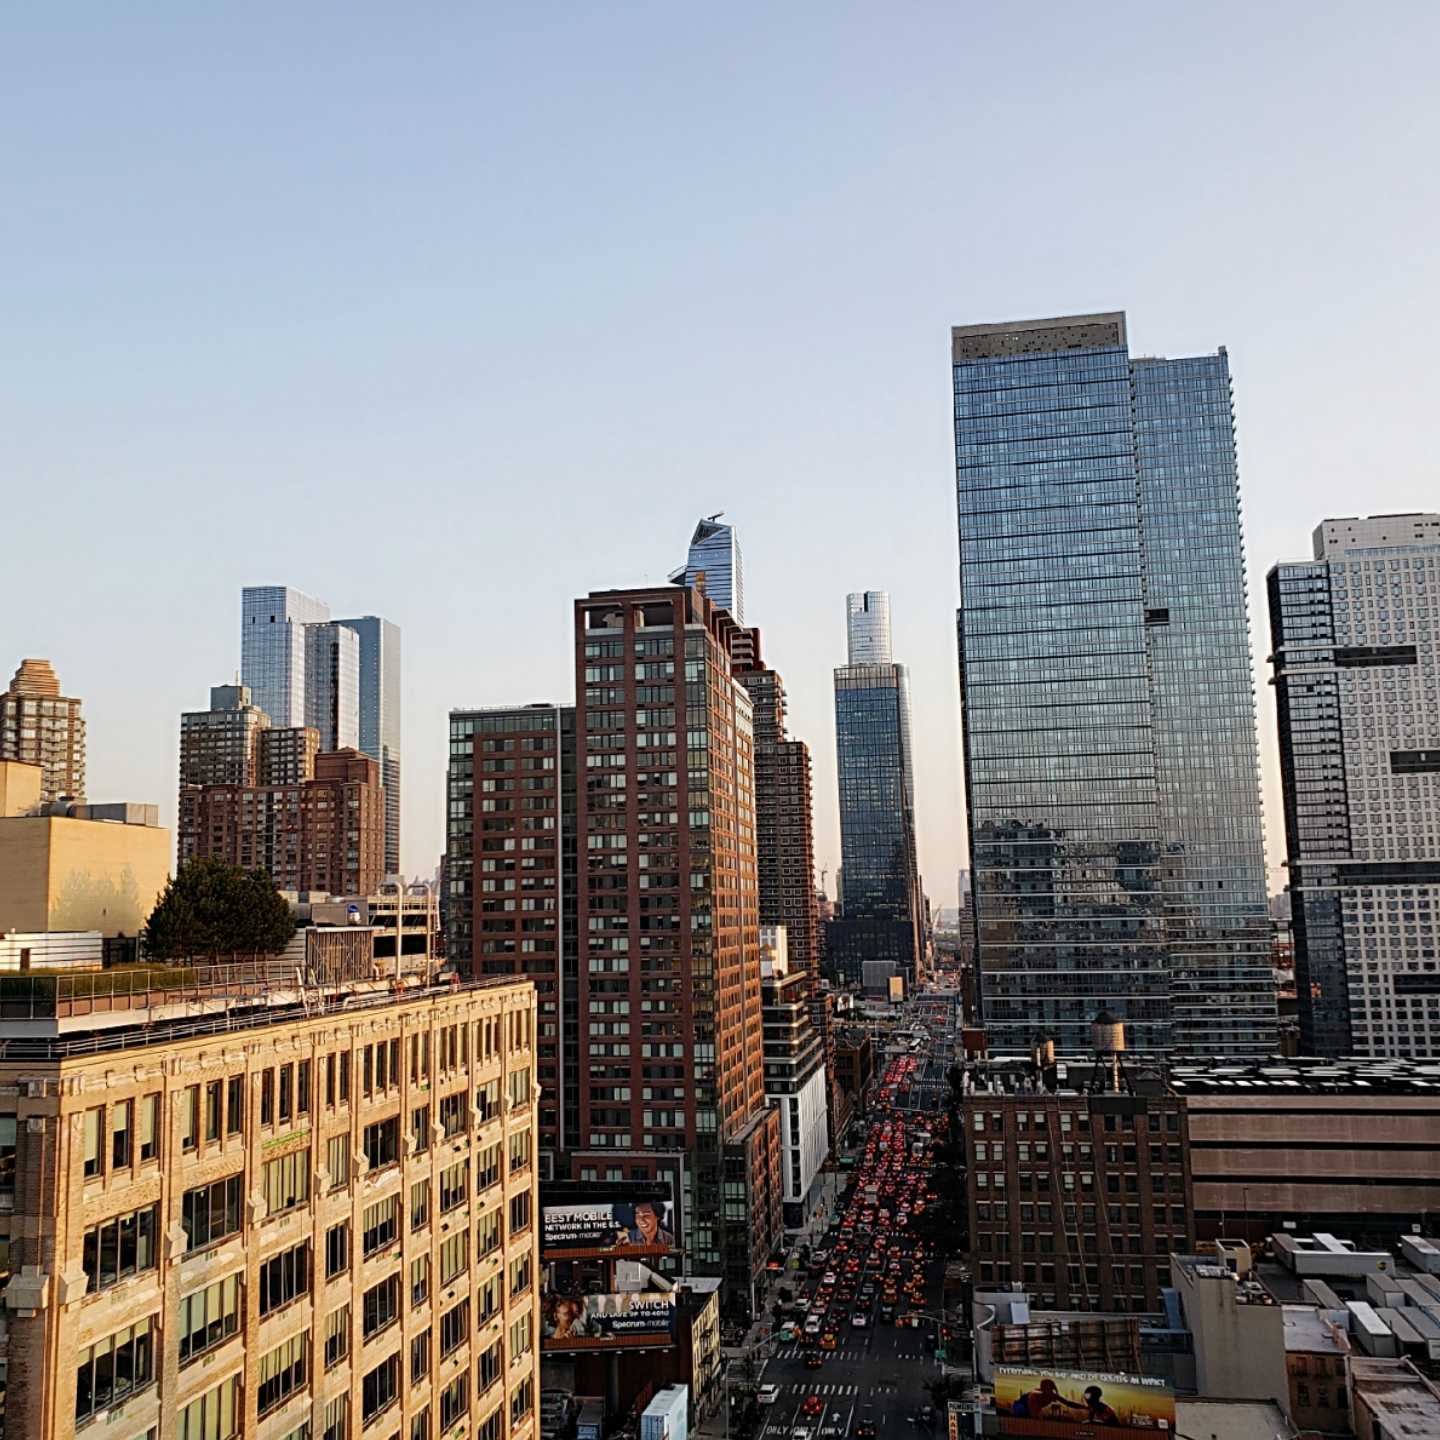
column 218, row 911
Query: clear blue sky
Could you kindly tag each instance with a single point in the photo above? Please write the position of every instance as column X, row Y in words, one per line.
column 452, row 312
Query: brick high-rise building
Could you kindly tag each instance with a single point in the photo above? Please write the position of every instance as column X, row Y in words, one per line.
column 311, row 821
column 785, row 841
column 41, row 726
column 646, row 951
column 224, row 1216
column 672, row 1052
column 511, row 877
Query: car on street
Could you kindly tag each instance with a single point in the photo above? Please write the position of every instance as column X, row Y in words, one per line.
column 767, row 1394
column 812, row 1406
column 858, row 1321
column 814, row 1359
column 827, row 1340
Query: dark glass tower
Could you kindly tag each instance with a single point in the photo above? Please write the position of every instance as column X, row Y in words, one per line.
column 881, row 919
column 1106, row 693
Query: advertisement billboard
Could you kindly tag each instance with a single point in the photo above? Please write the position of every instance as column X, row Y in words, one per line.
column 600, row 1322
column 1081, row 1404
column 642, row 1226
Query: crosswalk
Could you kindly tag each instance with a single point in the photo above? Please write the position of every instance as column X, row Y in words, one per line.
column 835, row 1390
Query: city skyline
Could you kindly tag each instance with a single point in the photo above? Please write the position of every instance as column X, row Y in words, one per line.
column 398, row 374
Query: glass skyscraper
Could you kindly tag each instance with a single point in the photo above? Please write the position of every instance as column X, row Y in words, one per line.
column 272, row 648
column 882, row 918
column 379, row 701
column 715, row 550
column 1106, row 693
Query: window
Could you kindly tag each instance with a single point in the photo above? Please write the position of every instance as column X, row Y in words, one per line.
column 420, row 1425
column 209, row 1213
column 519, row 1151
column 380, row 1306
column 522, row 1398
column 382, row 1143
column 302, row 1088
column 491, row 1425
column 419, row 1205
column 114, row 1368
column 520, row 1212
column 488, row 1368
column 420, row 1356
column 519, row 1275
column 121, row 1135
column 120, row 1247
column 454, row 1256
column 337, row 1336
column 286, row 1108
column 190, row 1117
column 214, row 1102
column 379, row 1388
column 344, row 1077
column 284, row 1277
column 487, row 1101
column 454, row 1400
column 419, row 1279
column 286, row 1181
column 216, row 1415
column 337, row 1160
column 420, row 1129
column 454, row 1185
column 487, row 1232
column 235, row 1105
column 337, row 1419
column 382, row 1224
column 282, row 1372
column 337, row 1249
column 149, row 1127
column 300, row 1432
column 267, row 1097
column 209, row 1317
column 489, row 1298
column 453, row 1114
column 94, row 1131
column 454, row 1327
column 520, row 1338
column 488, row 1172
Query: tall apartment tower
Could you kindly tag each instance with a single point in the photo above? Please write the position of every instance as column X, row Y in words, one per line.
column 218, row 746
column 42, row 727
column 332, row 685
column 1356, row 642
column 380, row 716
column 882, row 915
column 273, row 654
column 511, row 884
column 1106, row 693
column 607, row 852
column 715, row 553
column 672, row 1050
column 784, row 805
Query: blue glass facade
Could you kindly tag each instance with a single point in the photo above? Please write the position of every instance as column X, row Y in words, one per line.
column 882, row 918
column 1106, row 696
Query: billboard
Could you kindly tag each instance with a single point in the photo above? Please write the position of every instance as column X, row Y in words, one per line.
column 621, row 1228
column 602, row 1322
column 1081, row 1404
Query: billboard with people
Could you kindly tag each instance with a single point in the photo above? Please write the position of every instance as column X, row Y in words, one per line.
column 642, row 1226
column 634, row 1318
column 1081, row 1404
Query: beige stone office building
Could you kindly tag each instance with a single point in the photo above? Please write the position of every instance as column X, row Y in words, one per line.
column 260, row 1212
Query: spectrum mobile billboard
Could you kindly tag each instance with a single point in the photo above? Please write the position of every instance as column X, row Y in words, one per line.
column 1081, row 1404
column 644, row 1225
column 635, row 1318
